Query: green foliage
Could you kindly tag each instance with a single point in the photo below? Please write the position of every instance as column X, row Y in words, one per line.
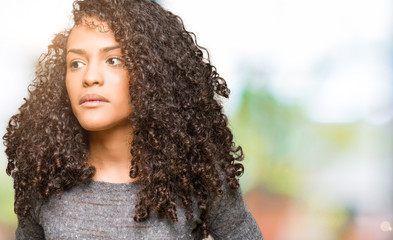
column 7, row 214
column 264, row 128
column 281, row 144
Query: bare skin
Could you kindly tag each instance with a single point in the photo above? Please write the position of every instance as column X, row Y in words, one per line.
column 97, row 85
column 110, row 154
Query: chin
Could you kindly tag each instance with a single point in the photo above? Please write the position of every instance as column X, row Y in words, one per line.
column 102, row 125
column 91, row 125
column 93, row 128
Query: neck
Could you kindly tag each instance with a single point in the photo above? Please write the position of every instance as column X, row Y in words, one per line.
column 109, row 153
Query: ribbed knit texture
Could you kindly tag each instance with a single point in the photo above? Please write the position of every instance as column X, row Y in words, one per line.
column 101, row 210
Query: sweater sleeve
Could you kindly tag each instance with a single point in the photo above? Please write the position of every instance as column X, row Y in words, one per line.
column 230, row 218
column 29, row 227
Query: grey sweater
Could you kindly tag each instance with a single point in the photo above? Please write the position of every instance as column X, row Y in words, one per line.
column 101, row 210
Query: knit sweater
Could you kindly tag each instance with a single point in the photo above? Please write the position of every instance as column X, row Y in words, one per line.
column 101, row 210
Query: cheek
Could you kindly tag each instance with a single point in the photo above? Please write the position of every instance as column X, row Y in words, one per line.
column 71, row 91
column 72, row 96
column 123, row 90
column 126, row 95
column 122, row 100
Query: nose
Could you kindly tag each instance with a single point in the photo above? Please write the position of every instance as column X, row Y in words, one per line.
column 93, row 75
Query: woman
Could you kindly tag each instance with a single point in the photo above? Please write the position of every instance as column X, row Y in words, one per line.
column 122, row 136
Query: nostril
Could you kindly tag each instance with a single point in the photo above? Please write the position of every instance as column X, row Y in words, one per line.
column 92, row 77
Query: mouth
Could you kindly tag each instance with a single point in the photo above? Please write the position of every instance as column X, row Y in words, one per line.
column 91, row 100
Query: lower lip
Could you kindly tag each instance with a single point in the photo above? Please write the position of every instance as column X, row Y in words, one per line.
column 92, row 103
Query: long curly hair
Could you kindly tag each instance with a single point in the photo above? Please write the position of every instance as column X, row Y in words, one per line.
column 182, row 147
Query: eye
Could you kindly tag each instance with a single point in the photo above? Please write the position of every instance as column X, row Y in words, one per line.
column 115, row 61
column 75, row 65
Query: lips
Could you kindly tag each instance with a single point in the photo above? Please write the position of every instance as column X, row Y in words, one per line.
column 92, row 99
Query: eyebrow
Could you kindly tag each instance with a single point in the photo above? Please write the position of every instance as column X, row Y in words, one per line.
column 107, row 49
column 82, row 52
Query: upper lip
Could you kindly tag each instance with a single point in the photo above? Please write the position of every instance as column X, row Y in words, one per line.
column 92, row 97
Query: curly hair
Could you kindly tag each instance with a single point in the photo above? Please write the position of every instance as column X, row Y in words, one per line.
column 182, row 147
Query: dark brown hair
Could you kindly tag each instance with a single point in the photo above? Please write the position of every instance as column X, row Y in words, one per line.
column 182, row 147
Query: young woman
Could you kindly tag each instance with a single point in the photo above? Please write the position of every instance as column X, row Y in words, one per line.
column 122, row 135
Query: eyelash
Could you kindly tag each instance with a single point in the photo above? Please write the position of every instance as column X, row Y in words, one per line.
column 120, row 64
column 72, row 67
column 110, row 59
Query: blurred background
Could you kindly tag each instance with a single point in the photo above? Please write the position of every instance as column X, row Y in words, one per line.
column 311, row 104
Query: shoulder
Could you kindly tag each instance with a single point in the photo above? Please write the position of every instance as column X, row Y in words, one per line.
column 230, row 218
column 30, row 226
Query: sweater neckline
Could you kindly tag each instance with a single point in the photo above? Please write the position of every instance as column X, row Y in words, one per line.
column 108, row 186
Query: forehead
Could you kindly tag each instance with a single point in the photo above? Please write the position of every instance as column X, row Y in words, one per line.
column 90, row 32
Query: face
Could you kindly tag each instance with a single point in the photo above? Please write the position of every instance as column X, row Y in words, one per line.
column 97, row 81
